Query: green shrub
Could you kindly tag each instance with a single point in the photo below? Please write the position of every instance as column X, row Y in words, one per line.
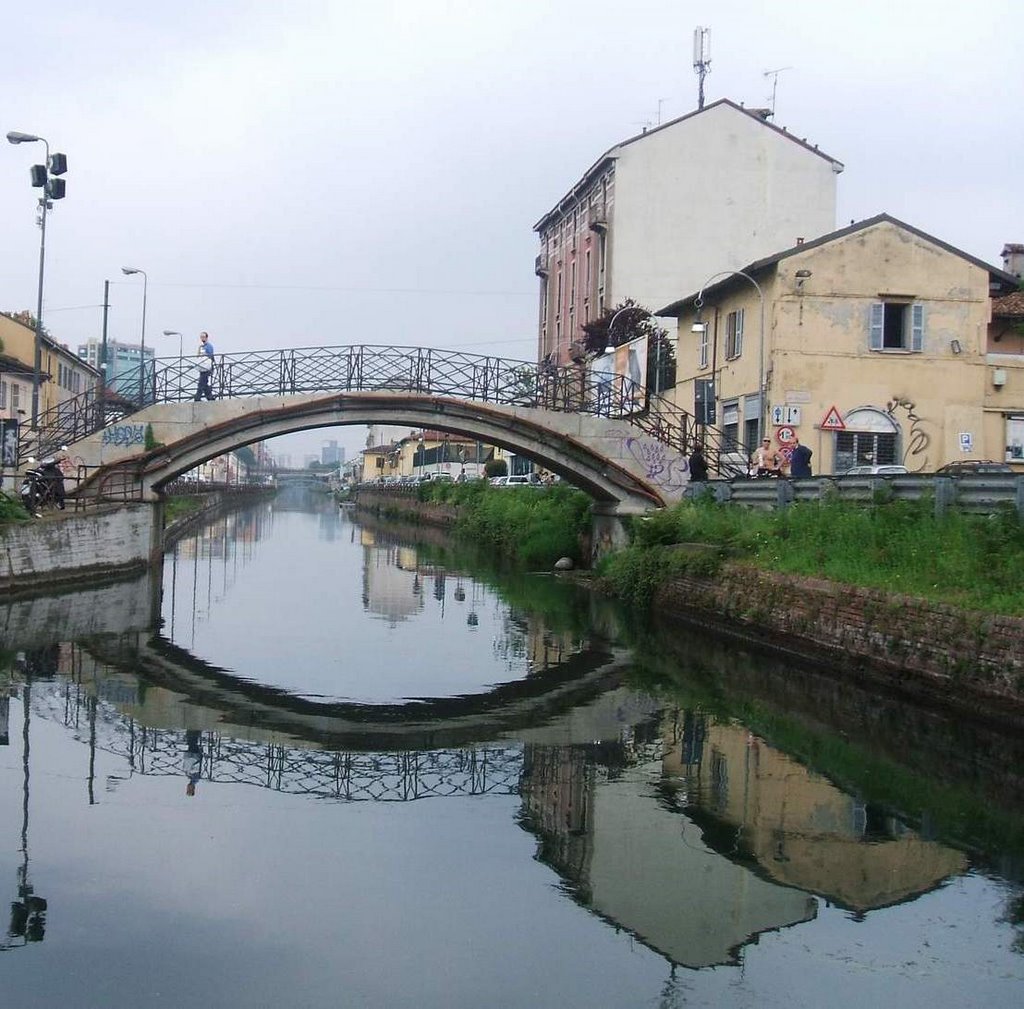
column 534, row 526
column 11, row 510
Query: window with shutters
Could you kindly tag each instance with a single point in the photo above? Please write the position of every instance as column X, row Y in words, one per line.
column 897, row 325
column 734, row 334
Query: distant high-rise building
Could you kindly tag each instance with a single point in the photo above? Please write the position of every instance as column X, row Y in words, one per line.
column 330, row 454
column 122, row 363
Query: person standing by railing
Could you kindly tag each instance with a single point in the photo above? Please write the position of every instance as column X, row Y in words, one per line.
column 205, row 353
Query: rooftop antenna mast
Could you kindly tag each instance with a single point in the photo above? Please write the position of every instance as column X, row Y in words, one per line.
column 701, row 60
column 774, row 75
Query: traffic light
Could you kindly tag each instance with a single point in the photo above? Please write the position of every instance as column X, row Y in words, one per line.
column 38, row 176
column 58, row 164
column 55, row 189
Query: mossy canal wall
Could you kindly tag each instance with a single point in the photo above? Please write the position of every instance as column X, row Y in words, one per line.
column 921, row 648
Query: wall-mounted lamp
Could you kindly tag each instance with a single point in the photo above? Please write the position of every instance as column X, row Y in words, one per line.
column 803, row 274
column 954, row 345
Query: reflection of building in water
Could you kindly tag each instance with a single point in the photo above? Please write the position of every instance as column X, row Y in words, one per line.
column 392, row 589
column 699, row 837
column 799, row 827
column 642, row 867
column 396, row 584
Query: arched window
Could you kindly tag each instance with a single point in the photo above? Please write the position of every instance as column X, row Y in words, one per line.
column 871, row 438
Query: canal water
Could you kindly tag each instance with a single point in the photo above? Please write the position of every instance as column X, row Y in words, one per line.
column 318, row 760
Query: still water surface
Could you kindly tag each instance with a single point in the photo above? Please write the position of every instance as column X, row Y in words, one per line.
column 355, row 768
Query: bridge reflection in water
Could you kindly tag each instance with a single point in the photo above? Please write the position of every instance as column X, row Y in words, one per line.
column 691, row 834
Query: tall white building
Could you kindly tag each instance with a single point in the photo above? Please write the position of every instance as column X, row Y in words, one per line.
column 662, row 212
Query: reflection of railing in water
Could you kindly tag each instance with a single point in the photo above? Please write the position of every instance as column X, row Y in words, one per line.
column 343, row 775
column 376, row 777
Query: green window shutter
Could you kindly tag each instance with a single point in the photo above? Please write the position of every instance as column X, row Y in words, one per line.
column 877, row 319
column 917, row 327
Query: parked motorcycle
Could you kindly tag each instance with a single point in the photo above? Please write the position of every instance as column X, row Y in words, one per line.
column 43, row 485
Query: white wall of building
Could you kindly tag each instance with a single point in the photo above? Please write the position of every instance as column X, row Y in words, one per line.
column 712, row 192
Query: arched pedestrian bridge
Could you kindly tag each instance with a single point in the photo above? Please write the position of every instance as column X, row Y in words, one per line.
column 603, row 433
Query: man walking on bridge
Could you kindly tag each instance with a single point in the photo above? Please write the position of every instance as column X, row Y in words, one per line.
column 205, row 367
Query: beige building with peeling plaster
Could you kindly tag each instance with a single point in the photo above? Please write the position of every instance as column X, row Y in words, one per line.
column 878, row 346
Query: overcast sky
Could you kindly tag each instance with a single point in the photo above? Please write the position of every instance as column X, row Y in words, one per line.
column 321, row 173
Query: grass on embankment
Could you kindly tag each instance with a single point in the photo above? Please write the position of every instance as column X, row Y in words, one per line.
column 181, row 505
column 534, row 526
column 967, row 560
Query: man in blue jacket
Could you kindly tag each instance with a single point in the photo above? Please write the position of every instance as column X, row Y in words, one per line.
column 800, row 460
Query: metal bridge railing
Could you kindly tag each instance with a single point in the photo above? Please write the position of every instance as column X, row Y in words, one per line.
column 364, row 368
column 378, row 368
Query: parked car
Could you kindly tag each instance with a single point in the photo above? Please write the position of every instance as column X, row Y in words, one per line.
column 522, row 480
column 884, row 470
column 964, row 467
column 498, row 481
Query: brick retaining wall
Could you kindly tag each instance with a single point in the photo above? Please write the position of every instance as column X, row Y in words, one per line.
column 922, row 647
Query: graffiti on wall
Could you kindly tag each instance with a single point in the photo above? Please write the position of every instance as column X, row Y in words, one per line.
column 123, row 435
column 918, row 441
column 660, row 464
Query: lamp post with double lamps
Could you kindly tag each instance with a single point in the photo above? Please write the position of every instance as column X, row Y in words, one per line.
column 699, row 302
column 53, row 189
column 129, row 271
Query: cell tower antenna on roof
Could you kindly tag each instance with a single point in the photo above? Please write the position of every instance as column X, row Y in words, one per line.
column 701, row 60
column 774, row 75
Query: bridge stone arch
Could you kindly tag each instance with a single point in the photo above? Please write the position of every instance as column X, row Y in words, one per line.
column 623, row 469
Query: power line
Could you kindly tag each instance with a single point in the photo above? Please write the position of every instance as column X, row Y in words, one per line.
column 351, row 290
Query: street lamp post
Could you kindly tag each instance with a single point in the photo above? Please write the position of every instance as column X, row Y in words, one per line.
column 53, row 189
column 611, row 327
column 699, row 301
column 181, row 358
column 129, row 271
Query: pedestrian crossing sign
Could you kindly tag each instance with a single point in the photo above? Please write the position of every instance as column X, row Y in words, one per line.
column 833, row 421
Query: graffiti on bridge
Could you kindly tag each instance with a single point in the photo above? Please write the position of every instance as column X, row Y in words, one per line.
column 124, row 434
column 661, row 464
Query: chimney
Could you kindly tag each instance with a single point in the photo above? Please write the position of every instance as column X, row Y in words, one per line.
column 1013, row 259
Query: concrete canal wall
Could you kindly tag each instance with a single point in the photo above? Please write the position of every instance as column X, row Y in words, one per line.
column 920, row 647
column 64, row 549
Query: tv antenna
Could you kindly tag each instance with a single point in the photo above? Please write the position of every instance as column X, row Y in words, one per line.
column 774, row 75
column 701, row 60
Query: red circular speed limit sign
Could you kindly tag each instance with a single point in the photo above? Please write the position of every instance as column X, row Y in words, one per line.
column 785, row 434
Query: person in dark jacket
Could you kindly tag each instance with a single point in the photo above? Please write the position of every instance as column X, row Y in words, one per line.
column 698, row 466
column 800, row 460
